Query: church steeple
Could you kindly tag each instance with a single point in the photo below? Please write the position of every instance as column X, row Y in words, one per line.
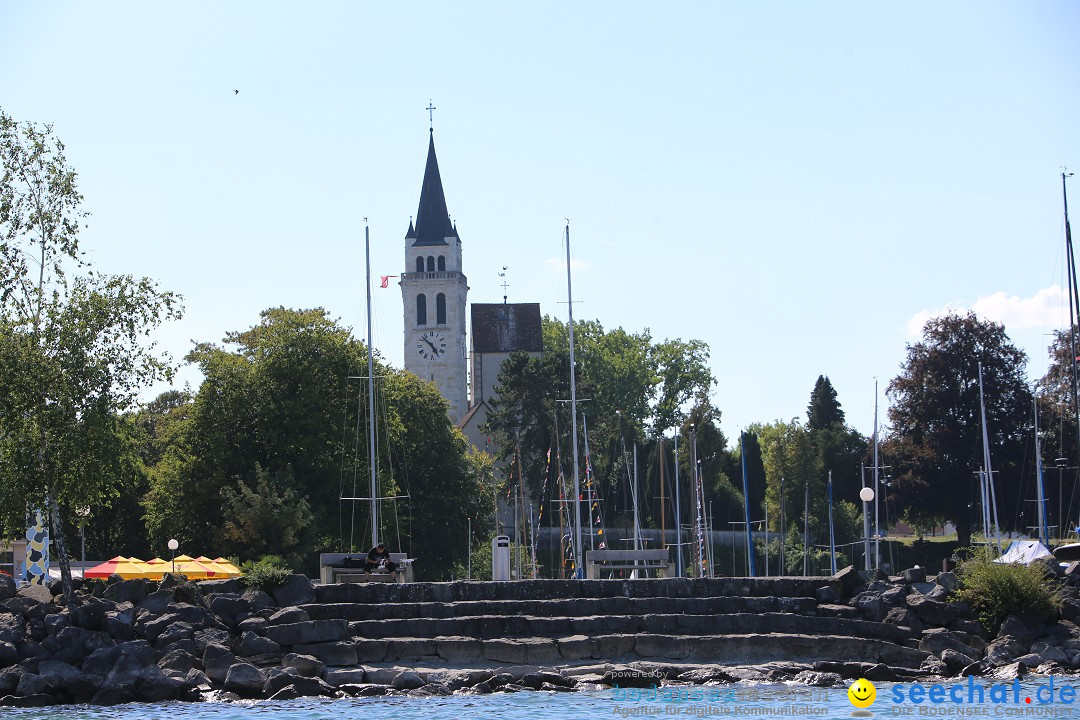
column 432, row 218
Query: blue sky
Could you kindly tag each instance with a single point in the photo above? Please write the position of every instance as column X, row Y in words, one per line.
column 798, row 184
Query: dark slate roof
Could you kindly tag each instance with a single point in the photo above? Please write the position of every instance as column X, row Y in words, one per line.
column 411, row 233
column 501, row 327
column 432, row 218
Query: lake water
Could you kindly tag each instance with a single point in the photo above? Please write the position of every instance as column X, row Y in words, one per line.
column 733, row 701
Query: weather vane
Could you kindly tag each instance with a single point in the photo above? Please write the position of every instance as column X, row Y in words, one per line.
column 431, row 115
column 504, row 283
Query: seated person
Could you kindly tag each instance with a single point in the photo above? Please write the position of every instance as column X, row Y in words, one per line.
column 378, row 558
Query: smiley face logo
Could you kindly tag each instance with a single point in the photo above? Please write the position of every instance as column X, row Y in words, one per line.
column 862, row 693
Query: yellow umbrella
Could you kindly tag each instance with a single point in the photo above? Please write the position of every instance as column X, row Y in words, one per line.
column 190, row 567
column 156, row 568
column 226, row 568
column 126, row 568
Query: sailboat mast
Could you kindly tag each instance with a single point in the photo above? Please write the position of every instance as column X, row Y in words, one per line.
column 877, row 490
column 578, row 567
column 371, row 396
column 986, row 463
column 633, row 494
column 746, row 509
column 1040, row 496
column 678, row 518
column 1074, row 313
column 663, row 515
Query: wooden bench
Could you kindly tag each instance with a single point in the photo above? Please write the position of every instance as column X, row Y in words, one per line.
column 331, row 569
column 597, row 560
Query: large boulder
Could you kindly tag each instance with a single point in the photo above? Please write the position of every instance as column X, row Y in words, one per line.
column 870, row 605
column 936, row 641
column 9, row 654
column 100, row 662
column 228, row 607
column 177, row 631
column 179, row 660
column 340, row 654
column 216, row 662
column 1003, row 651
column 252, row 645
column 297, row 590
column 1023, row 630
column 156, row 686
column 288, row 615
column 914, row 575
column 37, row 593
column 7, row 587
column 299, row 685
column 257, row 600
column 306, row 633
column 407, row 680
column 306, row 665
column 12, row 629
column 933, row 612
column 245, row 679
column 120, row 624
column 133, row 591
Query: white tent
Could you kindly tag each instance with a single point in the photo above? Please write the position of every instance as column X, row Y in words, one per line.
column 1024, row 552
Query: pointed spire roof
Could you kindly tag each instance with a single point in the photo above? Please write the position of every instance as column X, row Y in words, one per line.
column 411, row 234
column 432, row 218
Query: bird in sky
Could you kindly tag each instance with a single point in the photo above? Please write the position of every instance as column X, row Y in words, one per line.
column 236, row 92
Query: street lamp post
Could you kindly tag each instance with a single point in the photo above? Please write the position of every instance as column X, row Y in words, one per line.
column 867, row 496
column 173, row 544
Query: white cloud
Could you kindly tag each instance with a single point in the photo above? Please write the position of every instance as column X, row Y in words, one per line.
column 1013, row 312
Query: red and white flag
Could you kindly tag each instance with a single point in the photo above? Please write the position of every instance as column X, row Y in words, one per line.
column 386, row 280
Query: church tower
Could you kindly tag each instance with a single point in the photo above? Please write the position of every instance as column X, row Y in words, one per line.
column 433, row 291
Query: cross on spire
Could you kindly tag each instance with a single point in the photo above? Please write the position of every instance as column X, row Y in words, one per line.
column 504, row 283
column 431, row 117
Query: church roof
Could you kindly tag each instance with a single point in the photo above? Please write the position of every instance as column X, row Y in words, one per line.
column 502, row 327
column 432, row 218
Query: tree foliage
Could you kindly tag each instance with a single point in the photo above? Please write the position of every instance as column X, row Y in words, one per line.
column 936, row 441
column 632, row 388
column 278, row 396
column 824, row 410
column 73, row 350
column 268, row 518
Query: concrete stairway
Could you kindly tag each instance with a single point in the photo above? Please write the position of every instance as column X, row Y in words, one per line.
column 724, row 621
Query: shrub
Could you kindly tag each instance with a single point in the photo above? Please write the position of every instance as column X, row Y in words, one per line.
column 266, row 574
column 996, row 590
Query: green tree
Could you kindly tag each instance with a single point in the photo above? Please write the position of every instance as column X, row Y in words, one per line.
column 635, row 387
column 1058, row 432
column 268, row 518
column 824, row 410
column 936, row 441
column 278, row 397
column 793, row 472
column 72, row 349
column 840, row 449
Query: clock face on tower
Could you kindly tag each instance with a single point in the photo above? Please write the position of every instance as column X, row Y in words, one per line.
column 431, row 345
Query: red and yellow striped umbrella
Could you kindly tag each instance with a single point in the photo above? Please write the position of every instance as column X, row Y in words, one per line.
column 126, row 568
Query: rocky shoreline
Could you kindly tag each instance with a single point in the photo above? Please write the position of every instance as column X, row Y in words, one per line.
column 136, row 640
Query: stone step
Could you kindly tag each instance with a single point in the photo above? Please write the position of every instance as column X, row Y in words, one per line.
column 555, row 589
column 562, row 607
column 725, row 649
column 517, row 626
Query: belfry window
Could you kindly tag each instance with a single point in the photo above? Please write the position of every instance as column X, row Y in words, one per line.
column 421, row 309
column 430, row 264
column 442, row 263
column 440, row 309
column 419, row 264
